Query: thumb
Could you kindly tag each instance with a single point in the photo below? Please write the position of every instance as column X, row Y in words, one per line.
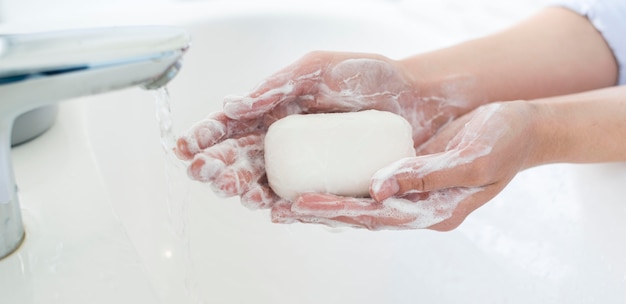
column 424, row 173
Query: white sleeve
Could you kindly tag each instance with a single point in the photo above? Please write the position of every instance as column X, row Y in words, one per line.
column 609, row 18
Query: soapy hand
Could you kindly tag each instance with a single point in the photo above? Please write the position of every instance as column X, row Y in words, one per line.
column 462, row 167
column 226, row 149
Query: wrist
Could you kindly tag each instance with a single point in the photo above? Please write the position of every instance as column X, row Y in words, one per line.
column 458, row 91
column 541, row 140
column 583, row 128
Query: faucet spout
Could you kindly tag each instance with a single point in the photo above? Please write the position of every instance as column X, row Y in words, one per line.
column 63, row 65
column 44, row 68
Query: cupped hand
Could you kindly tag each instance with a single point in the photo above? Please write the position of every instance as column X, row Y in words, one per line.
column 461, row 168
column 226, row 149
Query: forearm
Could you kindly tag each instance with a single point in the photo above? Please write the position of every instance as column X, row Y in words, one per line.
column 556, row 52
column 581, row 128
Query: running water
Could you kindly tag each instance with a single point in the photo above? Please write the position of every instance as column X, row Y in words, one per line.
column 177, row 193
column 164, row 118
column 176, row 199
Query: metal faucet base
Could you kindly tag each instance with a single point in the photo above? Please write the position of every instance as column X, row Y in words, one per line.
column 33, row 123
column 38, row 70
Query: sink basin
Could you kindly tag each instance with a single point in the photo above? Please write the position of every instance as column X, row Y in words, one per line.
column 112, row 218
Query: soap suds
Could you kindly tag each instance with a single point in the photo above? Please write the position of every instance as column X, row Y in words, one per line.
column 231, row 166
column 390, row 214
column 346, row 86
column 468, row 145
column 312, row 87
column 236, row 106
column 416, row 209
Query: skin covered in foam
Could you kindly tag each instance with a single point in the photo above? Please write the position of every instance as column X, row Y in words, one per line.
column 333, row 153
column 320, row 82
column 417, row 209
column 468, row 145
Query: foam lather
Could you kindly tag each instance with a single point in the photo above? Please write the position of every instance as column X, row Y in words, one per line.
column 333, row 153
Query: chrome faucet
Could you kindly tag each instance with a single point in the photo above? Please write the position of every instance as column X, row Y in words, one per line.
column 39, row 70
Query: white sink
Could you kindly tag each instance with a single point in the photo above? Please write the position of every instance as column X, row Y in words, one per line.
column 111, row 218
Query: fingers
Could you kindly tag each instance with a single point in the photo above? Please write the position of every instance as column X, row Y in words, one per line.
column 339, row 211
column 440, row 210
column 232, row 166
column 235, row 167
column 212, row 130
column 281, row 213
column 200, row 136
column 322, row 82
column 454, row 168
column 271, row 100
column 296, row 81
column 333, row 211
column 259, row 196
column 467, row 161
column 313, row 208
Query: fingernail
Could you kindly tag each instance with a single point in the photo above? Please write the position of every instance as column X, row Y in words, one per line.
column 282, row 220
column 383, row 189
column 232, row 110
column 205, row 168
column 282, row 214
column 182, row 149
column 209, row 133
column 258, row 197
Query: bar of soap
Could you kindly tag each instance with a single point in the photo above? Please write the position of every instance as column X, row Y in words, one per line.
column 334, row 153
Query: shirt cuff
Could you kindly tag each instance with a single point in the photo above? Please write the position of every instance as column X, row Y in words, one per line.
column 609, row 18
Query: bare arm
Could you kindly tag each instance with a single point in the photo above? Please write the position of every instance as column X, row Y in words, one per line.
column 555, row 52
column 582, row 128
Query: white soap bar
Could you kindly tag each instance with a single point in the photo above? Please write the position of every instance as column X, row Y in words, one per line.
column 333, row 153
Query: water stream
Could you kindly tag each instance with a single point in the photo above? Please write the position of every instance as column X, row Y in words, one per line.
column 177, row 199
